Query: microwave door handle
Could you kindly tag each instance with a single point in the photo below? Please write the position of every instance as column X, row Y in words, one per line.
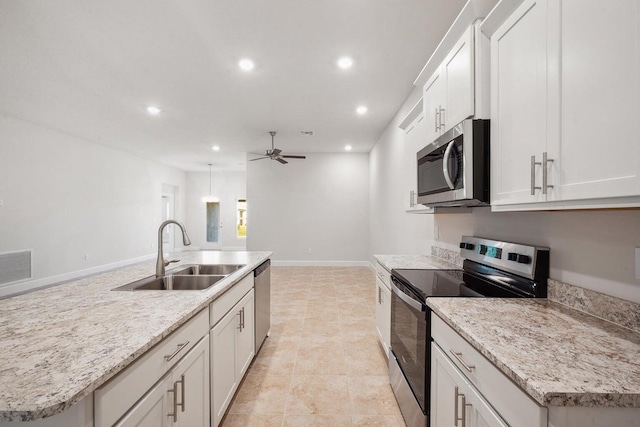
column 445, row 165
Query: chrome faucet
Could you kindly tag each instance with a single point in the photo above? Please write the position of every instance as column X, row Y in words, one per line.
column 160, row 263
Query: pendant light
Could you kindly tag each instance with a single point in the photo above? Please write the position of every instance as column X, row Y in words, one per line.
column 210, row 198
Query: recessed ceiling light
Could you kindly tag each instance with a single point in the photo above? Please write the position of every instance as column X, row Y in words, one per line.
column 153, row 110
column 345, row 62
column 246, row 64
column 361, row 109
column 215, row 148
column 347, row 148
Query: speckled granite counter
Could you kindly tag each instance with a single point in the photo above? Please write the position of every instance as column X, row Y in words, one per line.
column 558, row 355
column 422, row 262
column 59, row 344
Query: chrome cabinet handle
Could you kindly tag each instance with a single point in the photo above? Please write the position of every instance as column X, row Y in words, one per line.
column 182, row 393
column 445, row 165
column 437, row 117
column 243, row 318
column 240, row 320
column 533, row 175
column 545, row 173
column 455, row 408
column 441, row 117
column 379, row 295
column 175, row 402
column 458, row 357
column 180, row 347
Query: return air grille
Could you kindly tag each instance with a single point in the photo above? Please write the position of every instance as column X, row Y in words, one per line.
column 15, row 266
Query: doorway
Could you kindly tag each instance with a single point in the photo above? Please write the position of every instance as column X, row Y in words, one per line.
column 168, row 212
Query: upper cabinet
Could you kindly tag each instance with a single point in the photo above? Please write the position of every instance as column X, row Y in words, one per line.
column 565, row 97
column 448, row 95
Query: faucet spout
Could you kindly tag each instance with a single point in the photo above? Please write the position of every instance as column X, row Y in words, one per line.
column 185, row 240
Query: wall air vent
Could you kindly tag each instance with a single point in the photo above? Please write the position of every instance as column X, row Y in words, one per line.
column 306, row 133
column 15, row 266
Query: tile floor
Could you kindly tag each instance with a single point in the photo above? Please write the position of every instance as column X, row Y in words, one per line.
column 322, row 365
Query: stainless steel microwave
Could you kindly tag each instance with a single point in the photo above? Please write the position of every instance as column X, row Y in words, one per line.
column 454, row 169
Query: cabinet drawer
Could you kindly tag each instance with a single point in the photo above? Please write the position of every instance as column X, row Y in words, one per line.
column 223, row 304
column 383, row 275
column 115, row 397
column 509, row 400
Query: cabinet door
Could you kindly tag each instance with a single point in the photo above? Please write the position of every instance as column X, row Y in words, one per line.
column 519, row 104
column 458, row 68
column 223, row 363
column 448, row 391
column 599, row 154
column 386, row 319
column 192, row 376
column 245, row 341
column 414, row 140
column 153, row 410
column 433, row 101
column 479, row 412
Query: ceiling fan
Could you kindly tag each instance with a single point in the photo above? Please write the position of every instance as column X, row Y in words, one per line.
column 275, row 153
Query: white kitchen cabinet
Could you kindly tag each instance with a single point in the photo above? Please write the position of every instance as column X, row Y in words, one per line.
column 454, row 401
column 565, row 88
column 180, row 399
column 383, row 307
column 232, row 350
column 449, row 94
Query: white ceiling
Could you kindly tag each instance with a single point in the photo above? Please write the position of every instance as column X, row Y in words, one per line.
column 89, row 69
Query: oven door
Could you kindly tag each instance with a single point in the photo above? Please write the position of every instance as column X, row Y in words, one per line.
column 409, row 340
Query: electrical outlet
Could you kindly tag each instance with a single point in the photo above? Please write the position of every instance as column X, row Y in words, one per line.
column 637, row 263
column 1, row 202
column 86, row 257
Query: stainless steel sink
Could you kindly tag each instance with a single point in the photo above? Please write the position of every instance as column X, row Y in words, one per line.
column 198, row 269
column 173, row 282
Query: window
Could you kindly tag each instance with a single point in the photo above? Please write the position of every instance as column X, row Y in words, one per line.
column 241, row 218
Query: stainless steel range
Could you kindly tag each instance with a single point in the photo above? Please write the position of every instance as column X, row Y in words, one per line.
column 491, row 269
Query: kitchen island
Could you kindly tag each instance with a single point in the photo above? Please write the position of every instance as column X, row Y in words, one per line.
column 59, row 344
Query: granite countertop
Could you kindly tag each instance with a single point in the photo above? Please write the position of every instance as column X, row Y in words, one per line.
column 59, row 344
column 560, row 356
column 421, row 262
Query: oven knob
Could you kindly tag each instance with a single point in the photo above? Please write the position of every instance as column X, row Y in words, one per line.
column 512, row 256
column 483, row 249
column 468, row 246
column 463, row 245
column 523, row 259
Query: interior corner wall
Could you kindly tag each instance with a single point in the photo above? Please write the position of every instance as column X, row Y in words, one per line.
column 76, row 204
column 228, row 186
column 310, row 212
column 392, row 229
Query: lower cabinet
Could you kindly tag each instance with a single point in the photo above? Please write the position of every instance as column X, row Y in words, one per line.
column 454, row 401
column 383, row 307
column 181, row 398
column 232, row 350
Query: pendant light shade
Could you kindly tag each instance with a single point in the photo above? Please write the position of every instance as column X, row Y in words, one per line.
column 210, row 198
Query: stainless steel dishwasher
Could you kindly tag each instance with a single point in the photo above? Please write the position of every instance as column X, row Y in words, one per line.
column 262, row 293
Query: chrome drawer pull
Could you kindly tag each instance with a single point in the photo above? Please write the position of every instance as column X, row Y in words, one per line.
column 455, row 408
column 458, row 357
column 180, row 347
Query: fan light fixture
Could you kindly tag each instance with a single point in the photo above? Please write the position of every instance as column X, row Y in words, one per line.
column 210, row 198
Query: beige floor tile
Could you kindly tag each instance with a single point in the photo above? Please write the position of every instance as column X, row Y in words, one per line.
column 372, row 395
column 293, row 308
column 356, row 309
column 244, row 420
column 377, row 421
column 319, row 394
column 358, row 324
column 360, row 338
column 321, row 326
column 286, row 326
column 262, row 394
column 321, row 361
column 322, row 342
column 317, row 421
column 365, row 360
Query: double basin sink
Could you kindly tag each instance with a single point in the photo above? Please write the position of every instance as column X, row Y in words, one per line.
column 191, row 277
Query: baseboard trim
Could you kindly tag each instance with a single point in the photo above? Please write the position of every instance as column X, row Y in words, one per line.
column 309, row 263
column 22, row 287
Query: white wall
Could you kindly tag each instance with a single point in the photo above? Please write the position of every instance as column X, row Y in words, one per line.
column 228, row 187
column 65, row 197
column 320, row 203
column 393, row 231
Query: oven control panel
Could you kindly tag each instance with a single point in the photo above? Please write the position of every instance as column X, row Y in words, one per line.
column 512, row 257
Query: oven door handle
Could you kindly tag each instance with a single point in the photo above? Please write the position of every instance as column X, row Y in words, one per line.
column 445, row 165
column 406, row 298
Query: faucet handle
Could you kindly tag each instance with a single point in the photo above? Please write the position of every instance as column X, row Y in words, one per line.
column 170, row 261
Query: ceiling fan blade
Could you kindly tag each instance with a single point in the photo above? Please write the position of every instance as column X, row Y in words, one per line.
column 258, row 158
column 276, row 151
column 294, row 157
column 281, row 160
